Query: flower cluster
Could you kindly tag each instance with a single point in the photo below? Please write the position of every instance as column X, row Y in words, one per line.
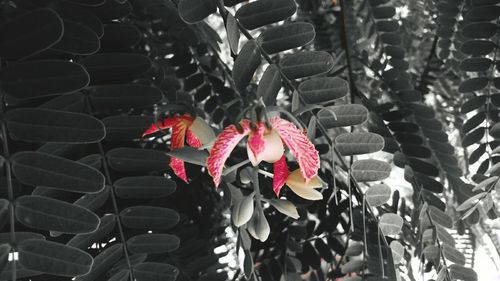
column 264, row 143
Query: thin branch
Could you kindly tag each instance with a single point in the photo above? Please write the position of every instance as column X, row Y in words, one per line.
column 109, row 182
column 10, row 188
column 413, row 180
column 427, row 69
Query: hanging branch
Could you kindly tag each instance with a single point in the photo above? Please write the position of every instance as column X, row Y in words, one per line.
column 109, row 182
column 223, row 11
column 354, row 92
column 413, row 181
column 10, row 188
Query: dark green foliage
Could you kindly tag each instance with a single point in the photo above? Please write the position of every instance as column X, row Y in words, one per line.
column 78, row 83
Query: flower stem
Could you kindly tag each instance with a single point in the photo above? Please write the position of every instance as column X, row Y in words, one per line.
column 256, row 188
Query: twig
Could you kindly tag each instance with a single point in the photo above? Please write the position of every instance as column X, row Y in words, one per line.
column 10, row 190
column 113, row 196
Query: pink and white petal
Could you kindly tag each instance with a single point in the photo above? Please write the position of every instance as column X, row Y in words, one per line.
column 177, row 166
column 167, row 123
column 256, row 144
column 272, row 150
column 192, row 140
column 301, row 147
column 280, row 175
column 223, row 146
column 177, row 141
column 202, row 131
column 251, row 156
column 306, row 190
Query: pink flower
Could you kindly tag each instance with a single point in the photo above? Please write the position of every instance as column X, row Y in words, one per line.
column 185, row 128
column 266, row 144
